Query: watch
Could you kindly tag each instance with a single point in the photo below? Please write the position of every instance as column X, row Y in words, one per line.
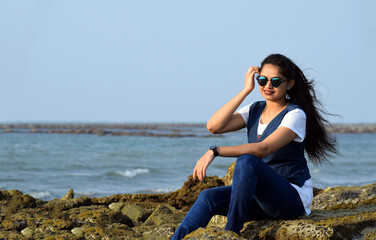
column 214, row 149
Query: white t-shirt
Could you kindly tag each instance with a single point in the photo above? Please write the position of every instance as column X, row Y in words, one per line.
column 296, row 121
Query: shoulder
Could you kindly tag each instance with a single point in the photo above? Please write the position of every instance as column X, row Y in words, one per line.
column 296, row 114
column 245, row 111
column 296, row 120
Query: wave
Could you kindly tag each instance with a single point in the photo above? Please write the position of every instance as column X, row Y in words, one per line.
column 40, row 195
column 130, row 173
column 157, row 190
column 85, row 194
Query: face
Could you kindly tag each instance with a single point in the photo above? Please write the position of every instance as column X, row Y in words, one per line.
column 274, row 93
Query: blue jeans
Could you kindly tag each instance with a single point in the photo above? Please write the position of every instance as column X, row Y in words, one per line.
column 257, row 192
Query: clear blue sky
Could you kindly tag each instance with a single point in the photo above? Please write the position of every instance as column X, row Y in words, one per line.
column 176, row 61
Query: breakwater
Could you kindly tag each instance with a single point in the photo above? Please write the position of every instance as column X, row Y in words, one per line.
column 147, row 129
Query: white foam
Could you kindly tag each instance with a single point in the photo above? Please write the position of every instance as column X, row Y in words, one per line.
column 40, row 195
column 163, row 190
column 85, row 194
column 133, row 173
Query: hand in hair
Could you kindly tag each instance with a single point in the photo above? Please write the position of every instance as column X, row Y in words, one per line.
column 249, row 84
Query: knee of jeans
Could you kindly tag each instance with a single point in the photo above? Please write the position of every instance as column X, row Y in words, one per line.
column 205, row 195
column 246, row 160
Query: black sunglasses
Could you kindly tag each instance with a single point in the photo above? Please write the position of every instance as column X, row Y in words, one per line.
column 276, row 82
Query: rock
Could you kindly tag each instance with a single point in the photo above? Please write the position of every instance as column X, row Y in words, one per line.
column 99, row 215
column 163, row 214
column 218, row 221
column 14, row 225
column 187, row 195
column 345, row 197
column 337, row 213
column 28, row 232
column 116, row 206
column 17, row 201
column 369, row 233
column 227, row 179
column 69, row 195
column 78, row 231
column 212, row 233
column 136, row 213
column 165, row 231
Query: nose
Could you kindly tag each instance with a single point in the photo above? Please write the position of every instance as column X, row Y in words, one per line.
column 269, row 85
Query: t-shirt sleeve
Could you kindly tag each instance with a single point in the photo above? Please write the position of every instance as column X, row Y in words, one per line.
column 244, row 112
column 296, row 121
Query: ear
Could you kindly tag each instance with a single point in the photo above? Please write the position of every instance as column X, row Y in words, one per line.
column 290, row 84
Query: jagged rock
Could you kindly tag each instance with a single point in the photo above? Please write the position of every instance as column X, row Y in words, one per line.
column 338, row 213
column 227, row 179
column 187, row 195
column 345, row 197
column 69, row 195
column 17, row 201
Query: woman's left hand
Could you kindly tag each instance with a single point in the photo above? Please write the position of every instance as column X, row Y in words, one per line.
column 202, row 165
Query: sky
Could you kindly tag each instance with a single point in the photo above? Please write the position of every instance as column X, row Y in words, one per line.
column 177, row 61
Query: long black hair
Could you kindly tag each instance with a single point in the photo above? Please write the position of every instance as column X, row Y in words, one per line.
column 320, row 144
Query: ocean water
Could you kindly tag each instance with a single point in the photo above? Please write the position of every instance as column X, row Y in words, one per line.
column 46, row 166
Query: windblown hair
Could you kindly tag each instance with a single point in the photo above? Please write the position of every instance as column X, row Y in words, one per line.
column 320, row 144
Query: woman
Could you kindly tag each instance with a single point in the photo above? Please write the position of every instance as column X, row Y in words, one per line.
column 271, row 178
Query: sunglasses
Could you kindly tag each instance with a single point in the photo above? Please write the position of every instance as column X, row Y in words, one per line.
column 262, row 81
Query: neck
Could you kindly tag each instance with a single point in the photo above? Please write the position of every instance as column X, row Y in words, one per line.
column 272, row 106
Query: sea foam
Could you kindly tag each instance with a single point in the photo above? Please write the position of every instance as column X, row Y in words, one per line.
column 132, row 173
column 40, row 195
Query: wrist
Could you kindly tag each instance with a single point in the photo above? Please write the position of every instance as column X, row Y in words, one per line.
column 214, row 149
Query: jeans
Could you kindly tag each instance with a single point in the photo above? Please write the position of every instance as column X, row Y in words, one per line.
column 257, row 192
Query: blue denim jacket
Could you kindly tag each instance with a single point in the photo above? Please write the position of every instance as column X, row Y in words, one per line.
column 289, row 161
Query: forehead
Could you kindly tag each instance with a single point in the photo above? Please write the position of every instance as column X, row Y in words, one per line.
column 270, row 70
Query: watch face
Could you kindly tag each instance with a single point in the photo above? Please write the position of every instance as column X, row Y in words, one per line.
column 212, row 147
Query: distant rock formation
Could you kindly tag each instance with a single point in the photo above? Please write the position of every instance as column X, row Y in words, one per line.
column 148, row 130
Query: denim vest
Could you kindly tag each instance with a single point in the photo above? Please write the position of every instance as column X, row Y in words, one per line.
column 289, row 161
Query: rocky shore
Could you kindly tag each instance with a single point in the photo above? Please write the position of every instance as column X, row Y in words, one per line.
column 337, row 213
column 148, row 130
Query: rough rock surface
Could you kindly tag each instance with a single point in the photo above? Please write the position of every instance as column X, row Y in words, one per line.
column 127, row 216
column 337, row 213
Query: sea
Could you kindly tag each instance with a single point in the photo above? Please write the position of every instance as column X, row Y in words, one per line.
column 46, row 166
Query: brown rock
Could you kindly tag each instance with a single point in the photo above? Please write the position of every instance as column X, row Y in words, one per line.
column 69, row 195
column 344, row 197
column 212, row 233
column 136, row 213
column 227, row 179
column 164, row 214
column 17, row 201
column 187, row 195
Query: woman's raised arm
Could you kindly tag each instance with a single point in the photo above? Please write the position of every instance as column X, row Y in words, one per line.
column 225, row 120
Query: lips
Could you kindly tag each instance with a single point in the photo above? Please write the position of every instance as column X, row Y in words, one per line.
column 268, row 92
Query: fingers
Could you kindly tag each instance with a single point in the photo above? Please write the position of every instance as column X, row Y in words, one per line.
column 253, row 69
column 199, row 171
